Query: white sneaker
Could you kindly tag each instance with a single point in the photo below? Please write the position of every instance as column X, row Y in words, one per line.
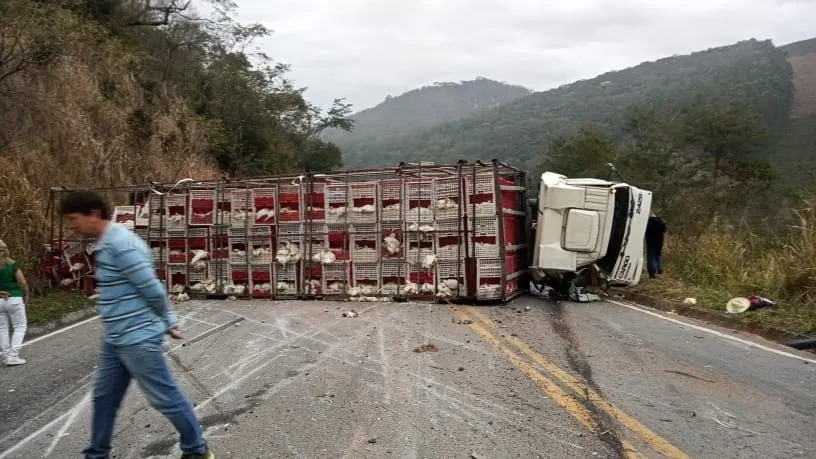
column 12, row 360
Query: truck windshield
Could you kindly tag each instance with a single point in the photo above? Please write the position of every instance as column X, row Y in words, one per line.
column 620, row 223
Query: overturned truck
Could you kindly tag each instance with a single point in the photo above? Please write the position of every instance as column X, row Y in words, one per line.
column 412, row 232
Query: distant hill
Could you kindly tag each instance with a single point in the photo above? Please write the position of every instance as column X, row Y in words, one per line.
column 420, row 109
column 752, row 71
column 795, row 151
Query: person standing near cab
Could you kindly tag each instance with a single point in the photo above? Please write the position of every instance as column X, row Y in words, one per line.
column 655, row 231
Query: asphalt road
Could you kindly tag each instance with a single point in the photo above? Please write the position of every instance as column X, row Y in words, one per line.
column 296, row 379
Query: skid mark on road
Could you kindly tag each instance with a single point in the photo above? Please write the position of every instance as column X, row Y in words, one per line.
column 641, row 431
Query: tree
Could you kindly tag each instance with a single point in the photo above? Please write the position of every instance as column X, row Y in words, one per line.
column 583, row 155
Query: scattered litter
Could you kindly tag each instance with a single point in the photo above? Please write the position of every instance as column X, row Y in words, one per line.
column 428, row 347
column 461, row 368
column 466, row 322
column 527, row 308
column 690, row 302
column 372, row 441
column 351, row 314
column 739, row 305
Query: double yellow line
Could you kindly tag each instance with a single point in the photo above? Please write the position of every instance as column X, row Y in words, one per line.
column 568, row 401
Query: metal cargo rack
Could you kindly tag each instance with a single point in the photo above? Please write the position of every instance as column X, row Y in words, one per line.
column 331, row 235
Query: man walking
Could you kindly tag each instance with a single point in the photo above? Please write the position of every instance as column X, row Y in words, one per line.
column 655, row 229
column 136, row 314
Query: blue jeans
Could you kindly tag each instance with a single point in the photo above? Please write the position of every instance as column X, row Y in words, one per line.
column 654, row 261
column 145, row 363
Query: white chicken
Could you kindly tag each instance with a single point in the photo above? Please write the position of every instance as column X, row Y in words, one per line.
column 76, row 267
column 392, row 244
column 285, row 288
column 198, row 262
column 177, row 288
column 324, row 256
column 337, row 211
column 312, row 287
column 264, row 214
column 446, row 203
column 181, row 297
column 241, row 215
column 90, row 248
column 426, row 228
column 175, row 220
column 235, row 289
column 413, row 227
column 448, row 288
column 336, row 287
column 262, row 288
column 202, row 215
column 428, row 261
column 427, row 288
column 364, row 209
column 261, row 254
column 410, row 288
column 288, row 252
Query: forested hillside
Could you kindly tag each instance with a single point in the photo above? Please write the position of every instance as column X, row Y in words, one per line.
column 420, row 109
column 109, row 92
column 752, row 72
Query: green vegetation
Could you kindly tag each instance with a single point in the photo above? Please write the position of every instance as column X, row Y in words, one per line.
column 110, row 92
column 55, row 305
column 419, row 109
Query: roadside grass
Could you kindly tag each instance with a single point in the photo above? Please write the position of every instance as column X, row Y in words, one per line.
column 54, row 305
column 727, row 262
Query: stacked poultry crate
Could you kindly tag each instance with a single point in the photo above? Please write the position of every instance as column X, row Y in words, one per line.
column 415, row 231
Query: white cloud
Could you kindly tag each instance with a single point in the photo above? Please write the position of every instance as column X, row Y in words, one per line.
column 366, row 49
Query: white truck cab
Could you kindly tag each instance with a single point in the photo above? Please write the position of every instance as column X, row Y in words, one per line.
column 585, row 222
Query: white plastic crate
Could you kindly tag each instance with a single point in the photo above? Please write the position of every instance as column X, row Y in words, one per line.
column 125, row 215
column 201, row 207
column 176, row 278
column 252, row 231
column 418, row 246
column 260, row 250
column 238, row 248
column 488, row 279
column 485, row 183
column 451, row 279
column 260, row 280
column 290, row 204
column 423, row 280
column 242, row 210
column 420, row 201
column 314, row 202
column 363, row 202
column 336, row 278
column 446, row 198
column 392, row 199
column 286, row 279
column 365, row 243
column 337, row 203
column 175, row 208
column 176, row 247
column 393, row 274
column 450, row 246
column 263, row 200
column 392, row 240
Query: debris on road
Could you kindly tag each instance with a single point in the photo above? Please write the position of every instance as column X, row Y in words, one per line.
column 428, row 347
column 690, row 302
column 351, row 314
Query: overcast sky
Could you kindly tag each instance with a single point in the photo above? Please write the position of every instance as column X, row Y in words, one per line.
column 364, row 50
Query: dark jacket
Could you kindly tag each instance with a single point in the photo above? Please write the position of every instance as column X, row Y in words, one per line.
column 655, row 230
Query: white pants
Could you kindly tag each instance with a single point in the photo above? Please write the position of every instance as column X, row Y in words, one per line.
column 13, row 309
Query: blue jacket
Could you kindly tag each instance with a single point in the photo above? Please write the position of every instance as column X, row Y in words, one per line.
column 133, row 303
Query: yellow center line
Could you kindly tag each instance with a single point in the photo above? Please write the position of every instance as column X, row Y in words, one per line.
column 644, row 433
column 566, row 401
